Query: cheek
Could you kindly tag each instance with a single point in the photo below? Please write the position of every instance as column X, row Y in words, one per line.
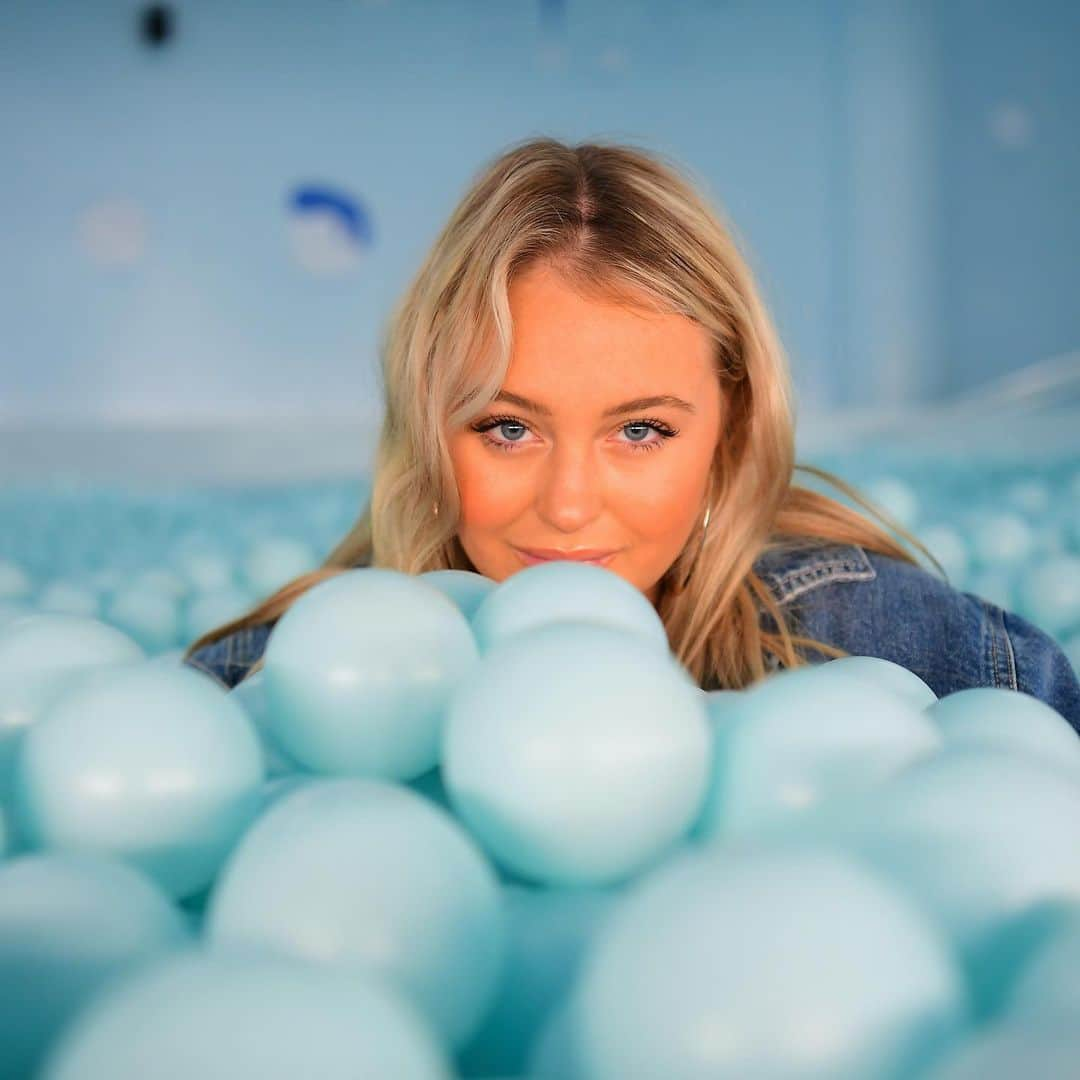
column 665, row 501
column 489, row 495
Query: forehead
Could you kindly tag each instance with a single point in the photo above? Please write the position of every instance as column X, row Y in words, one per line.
column 566, row 342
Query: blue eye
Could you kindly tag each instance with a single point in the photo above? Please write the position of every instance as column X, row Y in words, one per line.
column 483, row 427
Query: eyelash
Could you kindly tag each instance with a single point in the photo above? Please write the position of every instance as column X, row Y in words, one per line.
column 658, row 426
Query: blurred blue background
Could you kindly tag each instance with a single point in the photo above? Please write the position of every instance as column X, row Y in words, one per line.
column 903, row 176
column 209, row 208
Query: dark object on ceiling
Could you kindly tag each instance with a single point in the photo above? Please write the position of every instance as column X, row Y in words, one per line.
column 157, row 25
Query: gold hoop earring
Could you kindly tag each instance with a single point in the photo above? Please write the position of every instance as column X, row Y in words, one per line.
column 435, row 509
column 697, row 555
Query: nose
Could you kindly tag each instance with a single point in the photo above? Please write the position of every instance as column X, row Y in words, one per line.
column 570, row 494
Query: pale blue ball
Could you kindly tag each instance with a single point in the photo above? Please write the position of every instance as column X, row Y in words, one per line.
column 358, row 672
column 69, row 598
column 985, row 840
column 9, row 612
column 15, row 582
column 206, row 610
column 68, row 924
column 158, row 579
column 1011, row 1052
column 549, row 932
column 1048, row 987
column 206, row 570
column 150, row 764
column 431, row 786
column 1050, row 593
column 948, row 546
column 151, row 616
column 42, row 655
column 896, row 497
column 231, row 1015
column 277, row 787
column 367, row 874
column 1001, row 539
column 273, row 561
column 894, row 678
column 805, row 741
column 996, row 585
column 1011, row 721
column 566, row 591
column 250, row 695
column 577, row 753
column 766, row 962
column 466, row 589
column 556, row 1052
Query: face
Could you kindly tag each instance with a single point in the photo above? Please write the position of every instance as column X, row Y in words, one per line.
column 569, row 472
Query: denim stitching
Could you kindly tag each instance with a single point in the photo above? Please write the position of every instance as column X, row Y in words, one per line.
column 1013, row 679
column 1001, row 652
column 993, row 649
column 1005, row 647
column 796, row 582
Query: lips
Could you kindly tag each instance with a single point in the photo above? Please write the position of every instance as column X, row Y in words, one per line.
column 532, row 557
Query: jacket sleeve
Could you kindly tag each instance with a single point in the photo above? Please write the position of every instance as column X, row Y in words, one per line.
column 1041, row 667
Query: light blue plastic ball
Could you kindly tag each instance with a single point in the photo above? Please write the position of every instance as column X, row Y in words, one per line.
column 766, row 962
column 556, row 1053
column 548, row 934
column 152, row 765
column 367, row 874
column 1011, row 721
column 804, row 742
column 987, row 842
column 9, row 612
column 577, row 753
column 1050, row 593
column 206, row 570
column 358, row 672
column 565, row 591
column 431, row 786
column 1047, row 989
column 41, row 655
column 896, row 497
column 206, row 610
column 69, row 598
column 1001, row 539
column 995, row 585
column 886, row 675
column 947, row 545
column 227, row 1016
column 465, row 588
column 151, row 616
column 277, row 787
column 1013, row 1052
column 15, row 582
column 250, row 695
column 159, row 579
column 1030, row 496
column 68, row 924
column 274, row 561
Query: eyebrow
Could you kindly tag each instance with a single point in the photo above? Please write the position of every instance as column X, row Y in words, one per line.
column 636, row 405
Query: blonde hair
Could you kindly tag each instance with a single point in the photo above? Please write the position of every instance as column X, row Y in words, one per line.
column 622, row 224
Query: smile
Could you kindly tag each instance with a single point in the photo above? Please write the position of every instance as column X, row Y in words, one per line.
column 531, row 558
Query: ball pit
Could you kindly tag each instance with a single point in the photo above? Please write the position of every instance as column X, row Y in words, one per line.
column 408, row 848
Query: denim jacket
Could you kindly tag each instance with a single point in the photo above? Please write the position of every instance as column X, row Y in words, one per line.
column 864, row 603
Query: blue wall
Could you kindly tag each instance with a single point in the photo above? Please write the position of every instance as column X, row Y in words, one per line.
column 903, row 177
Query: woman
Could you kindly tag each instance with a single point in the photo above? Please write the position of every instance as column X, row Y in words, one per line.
column 605, row 376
